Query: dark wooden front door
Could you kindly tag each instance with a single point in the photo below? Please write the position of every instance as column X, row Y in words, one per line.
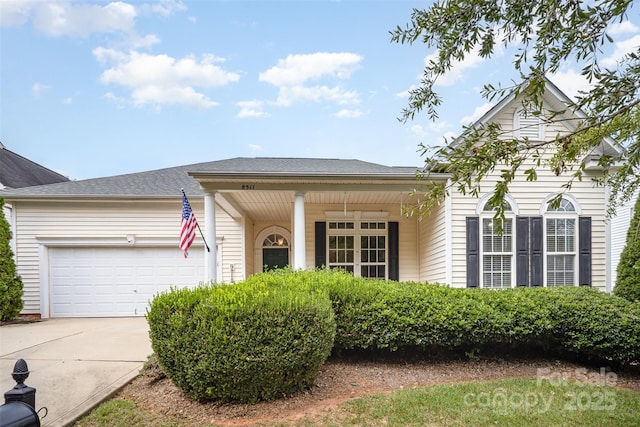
column 273, row 258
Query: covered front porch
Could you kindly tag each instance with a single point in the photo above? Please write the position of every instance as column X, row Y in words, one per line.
column 349, row 221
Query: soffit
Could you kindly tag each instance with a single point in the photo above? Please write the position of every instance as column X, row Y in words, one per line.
column 278, row 206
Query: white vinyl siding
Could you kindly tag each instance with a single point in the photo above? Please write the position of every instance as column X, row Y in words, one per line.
column 530, row 196
column 619, row 227
column 433, row 241
column 108, row 223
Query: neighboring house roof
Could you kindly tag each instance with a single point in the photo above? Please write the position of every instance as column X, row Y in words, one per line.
column 18, row 172
column 168, row 182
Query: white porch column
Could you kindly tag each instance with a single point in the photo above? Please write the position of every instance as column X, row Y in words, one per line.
column 210, row 235
column 299, row 246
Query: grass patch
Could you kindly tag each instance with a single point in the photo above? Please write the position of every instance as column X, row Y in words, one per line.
column 123, row 413
column 512, row 402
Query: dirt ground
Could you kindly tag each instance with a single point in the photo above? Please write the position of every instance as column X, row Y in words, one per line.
column 346, row 378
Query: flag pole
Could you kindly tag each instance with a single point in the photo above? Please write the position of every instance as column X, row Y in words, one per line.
column 198, row 225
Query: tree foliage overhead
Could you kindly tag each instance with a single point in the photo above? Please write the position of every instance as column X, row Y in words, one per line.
column 545, row 34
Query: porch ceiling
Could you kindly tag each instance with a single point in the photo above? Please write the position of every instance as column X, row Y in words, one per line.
column 278, row 205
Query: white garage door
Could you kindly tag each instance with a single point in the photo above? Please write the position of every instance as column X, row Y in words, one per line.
column 107, row 282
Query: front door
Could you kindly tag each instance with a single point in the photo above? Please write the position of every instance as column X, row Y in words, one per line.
column 273, row 258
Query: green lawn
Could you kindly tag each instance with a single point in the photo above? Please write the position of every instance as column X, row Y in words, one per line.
column 510, row 402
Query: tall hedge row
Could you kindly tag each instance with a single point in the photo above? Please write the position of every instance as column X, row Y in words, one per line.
column 575, row 321
column 269, row 336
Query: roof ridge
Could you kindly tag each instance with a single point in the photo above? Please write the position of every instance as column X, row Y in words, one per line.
column 3, row 147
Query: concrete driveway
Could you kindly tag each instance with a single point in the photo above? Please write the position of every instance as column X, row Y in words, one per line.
column 74, row 364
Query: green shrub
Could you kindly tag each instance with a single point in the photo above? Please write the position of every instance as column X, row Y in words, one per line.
column 628, row 279
column 574, row 321
column 268, row 336
column 10, row 282
column 257, row 340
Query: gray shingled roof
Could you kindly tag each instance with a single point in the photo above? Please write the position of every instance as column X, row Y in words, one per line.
column 168, row 182
column 17, row 171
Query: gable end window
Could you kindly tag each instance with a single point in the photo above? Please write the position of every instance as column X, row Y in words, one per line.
column 529, row 126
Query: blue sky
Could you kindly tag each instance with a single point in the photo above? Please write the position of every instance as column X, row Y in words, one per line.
column 95, row 89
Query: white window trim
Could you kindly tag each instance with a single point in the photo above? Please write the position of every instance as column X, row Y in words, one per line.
column 544, row 206
column 510, row 215
column 267, row 231
column 358, row 217
column 515, row 209
column 544, row 211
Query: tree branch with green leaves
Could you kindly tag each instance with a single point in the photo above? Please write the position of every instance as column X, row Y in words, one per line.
column 546, row 34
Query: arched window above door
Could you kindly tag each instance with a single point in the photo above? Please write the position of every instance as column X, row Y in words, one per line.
column 275, row 239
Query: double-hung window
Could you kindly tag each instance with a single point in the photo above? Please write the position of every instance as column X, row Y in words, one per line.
column 497, row 249
column 561, row 244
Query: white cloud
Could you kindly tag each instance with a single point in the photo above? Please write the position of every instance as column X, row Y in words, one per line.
column 16, row 13
column 477, row 113
column 135, row 41
column 313, row 77
column 250, row 109
column 161, row 79
column 255, row 149
column 82, row 19
column 418, row 130
column 290, row 94
column 619, row 28
column 298, row 69
column 164, row 7
column 349, row 114
column 449, row 136
column 38, row 88
column 571, row 82
column 457, row 71
column 621, row 49
column 67, row 100
column 405, row 93
column 120, row 102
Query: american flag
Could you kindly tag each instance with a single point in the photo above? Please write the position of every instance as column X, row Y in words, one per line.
column 188, row 226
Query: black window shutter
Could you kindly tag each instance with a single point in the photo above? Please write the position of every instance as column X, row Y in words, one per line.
column 394, row 251
column 522, row 251
column 473, row 252
column 536, row 246
column 321, row 244
column 584, row 238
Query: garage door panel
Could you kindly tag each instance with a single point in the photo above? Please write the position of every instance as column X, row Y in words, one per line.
column 105, row 282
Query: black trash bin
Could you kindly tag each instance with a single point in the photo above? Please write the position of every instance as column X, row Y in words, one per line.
column 18, row 414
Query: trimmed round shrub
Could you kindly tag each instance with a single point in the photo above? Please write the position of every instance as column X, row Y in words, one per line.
column 248, row 342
